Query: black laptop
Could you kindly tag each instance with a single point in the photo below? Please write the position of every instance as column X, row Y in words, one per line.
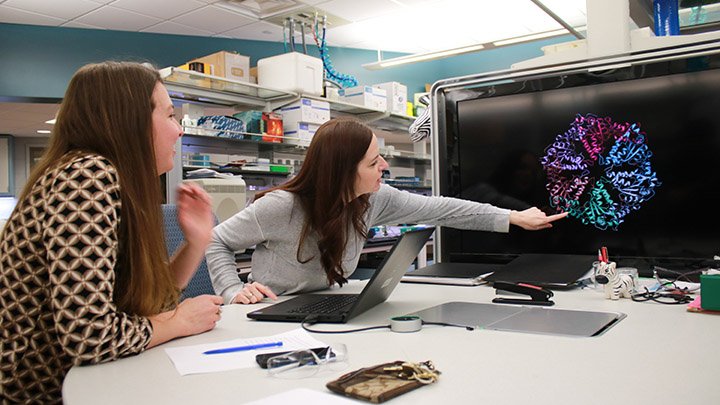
column 339, row 308
column 557, row 271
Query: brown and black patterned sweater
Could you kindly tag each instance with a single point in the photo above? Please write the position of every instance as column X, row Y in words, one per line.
column 57, row 272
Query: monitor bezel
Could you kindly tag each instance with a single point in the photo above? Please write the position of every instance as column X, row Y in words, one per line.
column 447, row 93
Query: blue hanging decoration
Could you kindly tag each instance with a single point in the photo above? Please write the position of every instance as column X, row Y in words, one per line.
column 330, row 72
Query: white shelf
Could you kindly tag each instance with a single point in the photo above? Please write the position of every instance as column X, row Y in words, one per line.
column 201, row 88
column 205, row 90
column 198, row 87
column 382, row 119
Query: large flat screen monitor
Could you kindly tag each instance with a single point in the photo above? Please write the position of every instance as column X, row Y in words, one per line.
column 632, row 152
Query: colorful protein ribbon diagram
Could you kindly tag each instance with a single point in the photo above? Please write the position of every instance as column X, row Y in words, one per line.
column 599, row 171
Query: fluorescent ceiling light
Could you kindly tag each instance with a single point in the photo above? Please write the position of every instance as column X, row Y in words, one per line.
column 43, row 131
column 51, row 122
column 532, row 37
column 420, row 57
column 260, row 9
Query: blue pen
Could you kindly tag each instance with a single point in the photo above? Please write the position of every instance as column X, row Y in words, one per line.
column 243, row 348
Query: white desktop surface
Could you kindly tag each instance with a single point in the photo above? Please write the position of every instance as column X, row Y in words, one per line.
column 659, row 354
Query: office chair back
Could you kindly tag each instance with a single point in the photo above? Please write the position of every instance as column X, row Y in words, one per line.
column 200, row 283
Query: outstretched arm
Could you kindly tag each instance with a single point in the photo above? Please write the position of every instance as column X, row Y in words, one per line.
column 533, row 219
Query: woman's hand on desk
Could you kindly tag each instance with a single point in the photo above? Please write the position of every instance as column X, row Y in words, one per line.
column 192, row 316
column 253, row 293
column 533, row 219
column 199, row 314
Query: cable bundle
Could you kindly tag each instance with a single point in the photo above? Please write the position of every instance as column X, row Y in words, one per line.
column 330, row 72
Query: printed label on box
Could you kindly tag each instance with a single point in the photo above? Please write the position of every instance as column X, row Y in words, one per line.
column 306, row 110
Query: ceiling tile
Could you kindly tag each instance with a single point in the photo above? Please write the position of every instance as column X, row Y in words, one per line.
column 15, row 16
column 573, row 11
column 343, row 35
column 260, row 31
column 413, row 3
column 369, row 34
column 215, row 19
column 354, row 10
column 75, row 24
column 427, row 24
column 165, row 9
column 24, row 119
column 169, row 27
column 118, row 19
column 66, row 9
column 390, row 46
column 313, row 2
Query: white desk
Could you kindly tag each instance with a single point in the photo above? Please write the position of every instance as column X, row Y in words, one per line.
column 659, row 354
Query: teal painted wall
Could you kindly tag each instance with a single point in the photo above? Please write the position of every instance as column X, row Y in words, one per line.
column 37, row 62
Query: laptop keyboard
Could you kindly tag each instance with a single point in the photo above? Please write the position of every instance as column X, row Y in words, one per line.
column 327, row 305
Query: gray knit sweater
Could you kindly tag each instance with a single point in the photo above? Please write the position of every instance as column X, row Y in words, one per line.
column 274, row 223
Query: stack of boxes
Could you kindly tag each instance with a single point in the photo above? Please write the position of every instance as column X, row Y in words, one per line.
column 396, row 94
column 367, row 96
column 302, row 74
column 390, row 96
column 302, row 118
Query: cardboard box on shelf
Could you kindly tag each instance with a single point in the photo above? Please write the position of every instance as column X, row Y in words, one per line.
column 305, row 110
column 396, row 96
column 299, row 133
column 229, row 65
column 292, row 71
column 366, row 96
column 187, row 77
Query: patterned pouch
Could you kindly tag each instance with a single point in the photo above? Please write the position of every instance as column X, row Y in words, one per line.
column 382, row 382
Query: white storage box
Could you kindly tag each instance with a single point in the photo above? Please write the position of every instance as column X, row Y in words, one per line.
column 366, row 96
column 396, row 96
column 291, row 71
column 305, row 110
column 301, row 134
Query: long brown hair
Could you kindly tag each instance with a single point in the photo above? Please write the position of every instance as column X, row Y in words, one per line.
column 325, row 187
column 107, row 110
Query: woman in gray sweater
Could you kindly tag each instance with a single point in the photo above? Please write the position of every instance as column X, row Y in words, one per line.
column 309, row 232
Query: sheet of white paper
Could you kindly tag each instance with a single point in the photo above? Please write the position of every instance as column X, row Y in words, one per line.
column 191, row 360
column 303, row 396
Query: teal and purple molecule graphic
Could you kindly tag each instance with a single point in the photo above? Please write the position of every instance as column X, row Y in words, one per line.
column 599, row 171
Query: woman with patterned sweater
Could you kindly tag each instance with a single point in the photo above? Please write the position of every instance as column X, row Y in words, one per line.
column 84, row 273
